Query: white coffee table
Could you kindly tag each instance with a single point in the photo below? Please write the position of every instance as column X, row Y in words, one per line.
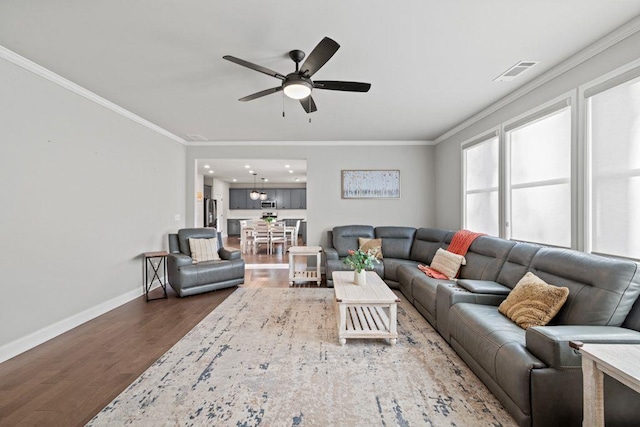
column 304, row 275
column 365, row 311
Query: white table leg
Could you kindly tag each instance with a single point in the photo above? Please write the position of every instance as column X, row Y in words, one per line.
column 593, row 400
column 291, row 268
column 342, row 323
column 393, row 322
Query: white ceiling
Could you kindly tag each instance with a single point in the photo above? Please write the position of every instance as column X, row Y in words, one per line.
column 431, row 62
column 281, row 171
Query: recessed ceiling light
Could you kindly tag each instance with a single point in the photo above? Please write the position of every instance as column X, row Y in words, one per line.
column 290, row 171
column 210, row 171
column 206, row 166
column 247, row 166
column 234, row 180
column 297, row 179
column 287, row 166
column 266, row 179
column 251, row 172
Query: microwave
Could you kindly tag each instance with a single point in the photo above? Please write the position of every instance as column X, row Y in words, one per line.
column 268, row 204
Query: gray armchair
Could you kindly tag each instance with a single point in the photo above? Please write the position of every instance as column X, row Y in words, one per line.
column 187, row 278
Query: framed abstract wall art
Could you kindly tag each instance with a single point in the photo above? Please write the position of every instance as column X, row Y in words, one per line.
column 370, row 184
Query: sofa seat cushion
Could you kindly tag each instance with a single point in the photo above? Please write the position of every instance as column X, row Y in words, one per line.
column 498, row 346
column 211, row 272
column 424, row 292
column 406, row 274
column 391, row 266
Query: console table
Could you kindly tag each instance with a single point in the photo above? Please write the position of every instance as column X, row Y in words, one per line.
column 149, row 257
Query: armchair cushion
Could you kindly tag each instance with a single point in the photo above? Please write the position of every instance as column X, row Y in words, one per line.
column 204, row 250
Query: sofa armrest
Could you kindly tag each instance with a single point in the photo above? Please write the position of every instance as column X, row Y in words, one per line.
column 330, row 253
column 551, row 343
column 229, row 253
column 178, row 260
column 484, row 287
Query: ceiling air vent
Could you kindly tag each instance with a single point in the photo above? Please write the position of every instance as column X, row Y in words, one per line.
column 515, row 71
column 196, row 137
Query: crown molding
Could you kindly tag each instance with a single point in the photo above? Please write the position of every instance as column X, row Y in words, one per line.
column 611, row 39
column 304, row 143
column 47, row 74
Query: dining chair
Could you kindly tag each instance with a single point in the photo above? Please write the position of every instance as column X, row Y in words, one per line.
column 294, row 238
column 279, row 236
column 261, row 236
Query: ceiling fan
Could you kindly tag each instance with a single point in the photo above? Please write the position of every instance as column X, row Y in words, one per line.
column 298, row 85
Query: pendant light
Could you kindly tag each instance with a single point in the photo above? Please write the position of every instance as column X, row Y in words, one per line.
column 263, row 195
column 254, row 195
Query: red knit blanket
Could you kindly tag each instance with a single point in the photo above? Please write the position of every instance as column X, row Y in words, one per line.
column 459, row 245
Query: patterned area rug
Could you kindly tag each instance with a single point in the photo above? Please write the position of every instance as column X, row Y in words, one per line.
column 271, row 357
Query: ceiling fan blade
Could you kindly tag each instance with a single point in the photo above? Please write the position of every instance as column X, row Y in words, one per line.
column 308, row 104
column 319, row 56
column 345, row 86
column 261, row 94
column 253, row 66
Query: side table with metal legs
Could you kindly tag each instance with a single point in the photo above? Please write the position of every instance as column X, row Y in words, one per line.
column 149, row 257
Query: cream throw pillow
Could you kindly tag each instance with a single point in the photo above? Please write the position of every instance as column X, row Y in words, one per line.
column 447, row 263
column 204, row 250
column 533, row 302
column 374, row 245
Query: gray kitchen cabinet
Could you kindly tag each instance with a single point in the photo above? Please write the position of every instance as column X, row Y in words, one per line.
column 233, row 227
column 283, row 198
column 238, row 198
column 252, row 204
column 298, row 198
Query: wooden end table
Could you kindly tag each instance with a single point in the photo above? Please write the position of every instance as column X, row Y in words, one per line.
column 305, row 275
column 619, row 361
column 365, row 311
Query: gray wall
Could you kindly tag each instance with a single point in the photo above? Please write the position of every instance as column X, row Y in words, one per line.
column 325, row 207
column 84, row 192
column 448, row 213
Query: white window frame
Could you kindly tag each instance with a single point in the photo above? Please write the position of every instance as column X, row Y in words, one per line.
column 607, row 81
column 542, row 111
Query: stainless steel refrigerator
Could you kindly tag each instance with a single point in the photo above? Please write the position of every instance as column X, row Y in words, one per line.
column 210, row 213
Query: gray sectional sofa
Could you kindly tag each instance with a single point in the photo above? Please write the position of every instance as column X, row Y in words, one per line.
column 534, row 373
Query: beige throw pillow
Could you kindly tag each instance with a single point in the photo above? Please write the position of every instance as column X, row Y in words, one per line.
column 375, row 245
column 533, row 302
column 204, row 250
column 447, row 263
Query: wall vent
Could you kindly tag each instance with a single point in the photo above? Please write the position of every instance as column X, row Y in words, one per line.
column 196, row 137
column 515, row 71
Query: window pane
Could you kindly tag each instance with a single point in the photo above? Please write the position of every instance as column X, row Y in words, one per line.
column 540, row 155
column 481, row 187
column 542, row 214
column 482, row 213
column 615, row 166
column 482, row 165
column 541, row 150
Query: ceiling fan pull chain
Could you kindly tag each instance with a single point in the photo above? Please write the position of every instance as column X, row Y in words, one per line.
column 283, row 104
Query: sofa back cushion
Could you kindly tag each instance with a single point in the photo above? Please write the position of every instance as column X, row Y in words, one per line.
column 196, row 233
column 517, row 263
column 345, row 238
column 425, row 244
column 601, row 290
column 485, row 258
column 396, row 241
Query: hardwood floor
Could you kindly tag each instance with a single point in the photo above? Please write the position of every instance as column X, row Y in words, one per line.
column 67, row 380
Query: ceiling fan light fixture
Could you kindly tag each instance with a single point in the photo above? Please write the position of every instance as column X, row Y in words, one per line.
column 297, row 88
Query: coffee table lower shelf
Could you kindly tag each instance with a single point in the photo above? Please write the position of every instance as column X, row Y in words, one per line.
column 367, row 321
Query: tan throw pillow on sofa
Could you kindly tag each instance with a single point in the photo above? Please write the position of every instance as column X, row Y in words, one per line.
column 533, row 302
column 374, row 245
column 204, row 250
column 447, row 263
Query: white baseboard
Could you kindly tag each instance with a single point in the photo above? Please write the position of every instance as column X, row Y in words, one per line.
column 36, row 338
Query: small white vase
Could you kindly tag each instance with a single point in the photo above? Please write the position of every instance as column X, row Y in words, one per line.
column 360, row 278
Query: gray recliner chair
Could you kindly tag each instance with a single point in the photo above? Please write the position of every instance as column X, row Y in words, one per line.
column 187, row 278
